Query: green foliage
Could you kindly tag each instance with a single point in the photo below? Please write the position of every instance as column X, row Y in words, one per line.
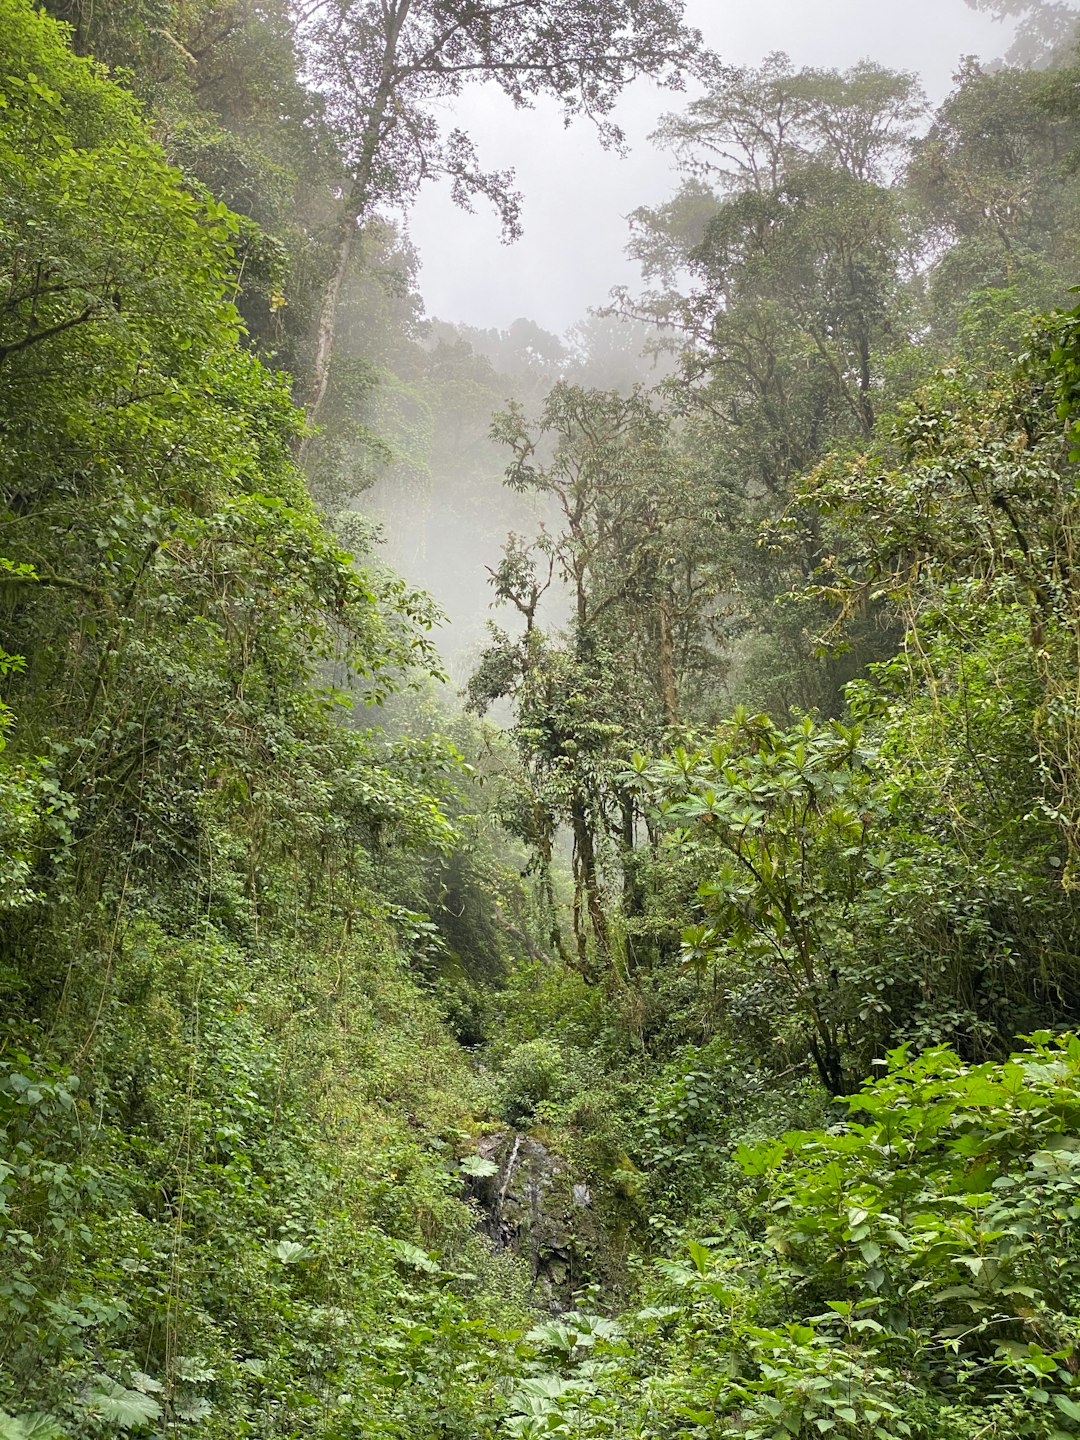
column 793, row 821
column 211, row 1157
column 235, row 1211
column 635, row 549
column 944, row 1212
column 178, row 596
column 915, row 1279
column 247, row 936
column 477, row 1166
column 26, row 809
column 532, row 1073
column 693, row 1111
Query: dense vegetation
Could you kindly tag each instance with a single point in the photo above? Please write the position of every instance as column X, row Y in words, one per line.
column 732, row 884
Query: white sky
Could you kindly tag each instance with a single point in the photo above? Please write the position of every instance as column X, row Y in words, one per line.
column 577, row 195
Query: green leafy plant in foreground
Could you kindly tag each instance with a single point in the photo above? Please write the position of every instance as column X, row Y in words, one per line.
column 929, row 1246
column 916, row 1279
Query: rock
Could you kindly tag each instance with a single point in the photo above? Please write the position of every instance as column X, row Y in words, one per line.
column 533, row 1207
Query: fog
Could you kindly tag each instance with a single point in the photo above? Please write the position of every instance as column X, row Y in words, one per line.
column 577, row 195
column 443, row 532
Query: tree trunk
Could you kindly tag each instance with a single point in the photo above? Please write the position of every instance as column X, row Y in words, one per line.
column 355, row 208
column 324, row 340
column 865, row 400
column 547, row 886
column 633, row 898
column 827, row 1061
column 587, row 884
column 668, row 688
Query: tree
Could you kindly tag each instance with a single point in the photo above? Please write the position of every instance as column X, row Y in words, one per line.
column 997, row 203
column 188, row 831
column 912, row 877
column 788, row 227
column 795, row 241
column 1045, row 29
column 387, row 66
column 962, row 518
column 755, row 125
column 169, row 582
column 222, row 81
column 787, row 827
column 634, row 540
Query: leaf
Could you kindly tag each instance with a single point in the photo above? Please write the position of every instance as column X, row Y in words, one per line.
column 1014, row 1349
column 34, row 1426
column 477, row 1165
column 544, row 1387
column 701, row 1256
column 659, row 1312
column 1067, row 1407
column 553, row 1336
column 410, row 1254
column 291, row 1252
column 194, row 1369
column 127, row 1408
column 197, row 1408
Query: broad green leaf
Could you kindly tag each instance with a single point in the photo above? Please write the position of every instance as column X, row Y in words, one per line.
column 479, row 1166
column 129, row 1409
column 410, row 1254
column 701, row 1256
column 33, row 1426
column 291, row 1252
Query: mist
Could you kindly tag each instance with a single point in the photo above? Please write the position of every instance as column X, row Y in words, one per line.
column 506, row 314
column 577, row 195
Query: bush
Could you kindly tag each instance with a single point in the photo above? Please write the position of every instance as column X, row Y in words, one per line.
column 534, row 1072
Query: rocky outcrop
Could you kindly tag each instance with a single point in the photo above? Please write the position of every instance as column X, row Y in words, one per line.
column 532, row 1206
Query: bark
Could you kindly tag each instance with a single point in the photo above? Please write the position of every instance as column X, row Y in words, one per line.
column 35, row 337
column 633, row 897
column 865, row 401
column 327, row 331
column 547, row 886
column 827, row 1061
column 668, row 688
column 587, row 885
column 355, row 208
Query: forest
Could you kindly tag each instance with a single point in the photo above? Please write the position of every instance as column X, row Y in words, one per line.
column 538, row 873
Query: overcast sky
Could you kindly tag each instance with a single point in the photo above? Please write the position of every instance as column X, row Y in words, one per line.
column 577, row 195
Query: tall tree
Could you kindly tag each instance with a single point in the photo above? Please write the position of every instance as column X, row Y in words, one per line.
column 998, row 203
column 167, row 578
column 388, row 68
column 1045, row 29
column 795, row 243
column 635, row 538
column 792, row 240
